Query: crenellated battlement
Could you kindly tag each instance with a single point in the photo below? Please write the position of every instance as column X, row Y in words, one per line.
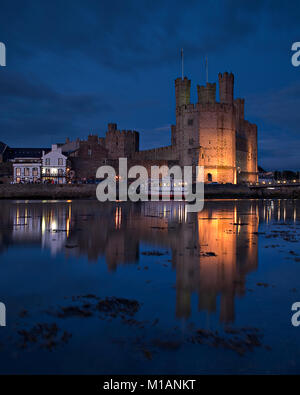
column 226, row 84
column 227, row 141
column 209, row 133
column 121, row 143
column 206, row 93
column 182, row 91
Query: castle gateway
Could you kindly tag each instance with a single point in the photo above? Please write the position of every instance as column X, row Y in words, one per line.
column 208, row 133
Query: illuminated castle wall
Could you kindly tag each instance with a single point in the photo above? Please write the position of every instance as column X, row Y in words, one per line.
column 211, row 134
column 215, row 134
column 208, row 133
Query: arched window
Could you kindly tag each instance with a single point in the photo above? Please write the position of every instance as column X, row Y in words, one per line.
column 209, row 177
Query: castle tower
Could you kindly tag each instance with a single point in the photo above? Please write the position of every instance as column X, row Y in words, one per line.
column 182, row 91
column 226, row 82
column 206, row 94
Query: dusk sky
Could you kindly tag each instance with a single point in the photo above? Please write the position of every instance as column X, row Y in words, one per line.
column 74, row 66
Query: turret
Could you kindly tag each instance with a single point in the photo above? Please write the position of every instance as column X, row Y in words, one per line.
column 239, row 106
column 206, row 94
column 182, row 91
column 226, row 82
column 112, row 127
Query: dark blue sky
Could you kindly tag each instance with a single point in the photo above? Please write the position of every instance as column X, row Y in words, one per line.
column 73, row 66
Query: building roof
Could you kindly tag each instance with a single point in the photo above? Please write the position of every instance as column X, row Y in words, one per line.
column 12, row 153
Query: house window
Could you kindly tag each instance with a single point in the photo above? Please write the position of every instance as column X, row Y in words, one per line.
column 35, row 171
column 48, row 172
column 60, row 162
column 26, row 172
column 209, row 177
column 47, row 162
column 190, row 122
column 18, row 171
column 60, row 172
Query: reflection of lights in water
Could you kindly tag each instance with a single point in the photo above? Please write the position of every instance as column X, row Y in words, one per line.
column 68, row 220
column 26, row 216
column 43, row 225
column 295, row 214
column 284, row 213
column 118, row 217
column 180, row 213
column 53, row 224
column 18, row 216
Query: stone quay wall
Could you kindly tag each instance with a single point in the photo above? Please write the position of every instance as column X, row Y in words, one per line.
column 86, row 191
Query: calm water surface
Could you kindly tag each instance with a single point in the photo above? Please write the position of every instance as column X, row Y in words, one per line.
column 211, row 291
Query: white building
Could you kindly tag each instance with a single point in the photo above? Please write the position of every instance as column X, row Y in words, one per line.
column 25, row 171
column 54, row 166
column 26, row 164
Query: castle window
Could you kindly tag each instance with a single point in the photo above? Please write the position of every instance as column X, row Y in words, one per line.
column 190, row 122
column 191, row 141
column 89, row 152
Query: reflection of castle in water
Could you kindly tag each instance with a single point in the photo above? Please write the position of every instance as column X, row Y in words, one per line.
column 212, row 251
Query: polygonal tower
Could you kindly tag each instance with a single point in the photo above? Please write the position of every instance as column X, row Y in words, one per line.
column 226, row 82
column 182, row 91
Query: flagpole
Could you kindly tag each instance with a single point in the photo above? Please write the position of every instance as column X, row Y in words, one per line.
column 182, row 71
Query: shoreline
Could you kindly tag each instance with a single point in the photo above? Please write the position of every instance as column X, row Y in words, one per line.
column 88, row 191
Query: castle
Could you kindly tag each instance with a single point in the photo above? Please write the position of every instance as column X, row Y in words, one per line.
column 215, row 134
column 211, row 134
column 208, row 133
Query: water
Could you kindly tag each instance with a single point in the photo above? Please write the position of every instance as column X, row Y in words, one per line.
column 231, row 271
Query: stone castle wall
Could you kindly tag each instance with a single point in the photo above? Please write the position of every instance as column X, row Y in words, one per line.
column 215, row 134
column 209, row 133
column 162, row 153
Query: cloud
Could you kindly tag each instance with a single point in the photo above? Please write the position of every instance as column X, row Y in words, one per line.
column 130, row 35
column 29, row 109
column 279, row 108
column 277, row 152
